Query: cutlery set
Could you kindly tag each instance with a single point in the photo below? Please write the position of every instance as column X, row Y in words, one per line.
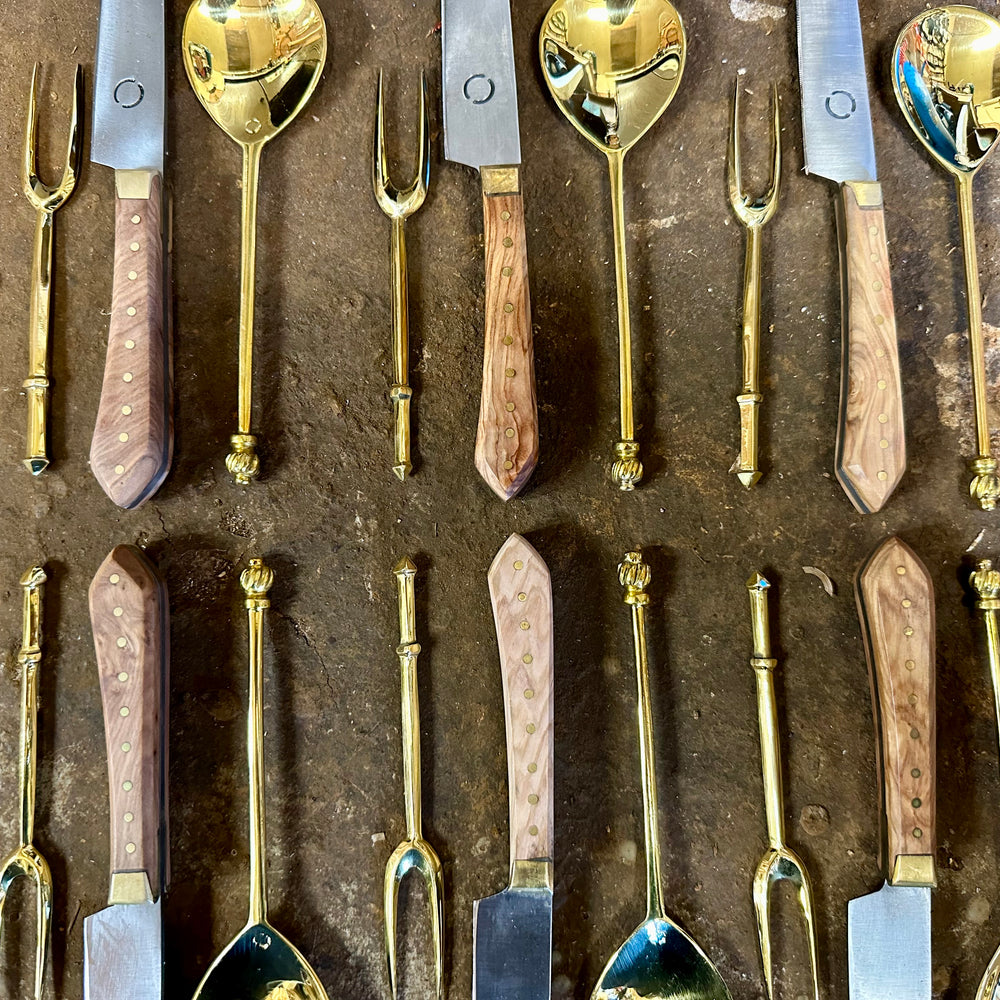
column 612, row 68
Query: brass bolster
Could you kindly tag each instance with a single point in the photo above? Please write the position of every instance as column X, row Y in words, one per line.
column 535, row 873
column 129, row 887
column 134, row 185
column 501, row 180
column 988, row 604
column 867, row 193
column 914, row 869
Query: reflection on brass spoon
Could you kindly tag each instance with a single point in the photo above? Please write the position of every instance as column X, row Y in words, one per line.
column 259, row 963
column 253, row 64
column 612, row 68
column 944, row 78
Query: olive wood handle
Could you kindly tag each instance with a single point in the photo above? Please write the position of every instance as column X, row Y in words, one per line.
column 895, row 600
column 507, row 436
column 129, row 617
column 521, row 593
column 133, row 438
column 871, row 440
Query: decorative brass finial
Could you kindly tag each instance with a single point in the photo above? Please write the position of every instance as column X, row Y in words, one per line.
column 634, row 575
column 985, row 485
column 256, row 581
column 242, row 462
column 627, row 470
column 986, row 581
column 34, row 578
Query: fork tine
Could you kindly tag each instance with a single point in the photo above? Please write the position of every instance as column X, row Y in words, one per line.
column 390, row 899
column 772, row 191
column 423, row 155
column 761, row 905
column 808, row 911
column 733, row 173
column 29, row 162
column 43, row 924
column 74, row 148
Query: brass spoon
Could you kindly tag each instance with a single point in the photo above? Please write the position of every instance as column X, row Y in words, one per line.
column 944, row 78
column 253, row 64
column 658, row 961
column 259, row 963
column 612, row 68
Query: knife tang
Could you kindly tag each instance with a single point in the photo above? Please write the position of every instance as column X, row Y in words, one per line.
column 507, row 436
column 871, row 443
column 521, row 593
column 896, row 605
column 133, row 437
column 129, row 617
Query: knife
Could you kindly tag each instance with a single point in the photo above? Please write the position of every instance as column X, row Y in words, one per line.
column 512, row 930
column 837, row 133
column 481, row 131
column 889, row 931
column 123, row 944
column 133, row 438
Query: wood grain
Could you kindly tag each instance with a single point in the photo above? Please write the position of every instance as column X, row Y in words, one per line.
column 896, row 604
column 133, row 438
column 507, row 436
column 129, row 617
column 871, row 439
column 521, row 592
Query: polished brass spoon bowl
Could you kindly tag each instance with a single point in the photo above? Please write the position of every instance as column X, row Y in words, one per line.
column 943, row 73
column 612, row 67
column 253, row 64
column 259, row 963
column 659, row 960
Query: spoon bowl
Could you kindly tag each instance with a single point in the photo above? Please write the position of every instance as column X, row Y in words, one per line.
column 612, row 67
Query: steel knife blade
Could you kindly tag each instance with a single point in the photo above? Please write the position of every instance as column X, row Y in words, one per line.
column 481, row 131
column 123, row 944
column 512, row 930
column 837, row 134
column 889, row 931
column 133, row 437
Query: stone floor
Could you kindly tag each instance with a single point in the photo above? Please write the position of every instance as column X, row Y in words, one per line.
column 332, row 520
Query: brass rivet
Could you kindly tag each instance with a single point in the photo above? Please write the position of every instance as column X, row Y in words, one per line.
column 118, row 612
column 130, row 848
column 123, row 677
column 133, row 247
column 880, row 353
column 908, row 631
column 915, row 773
column 126, row 747
column 910, row 664
column 119, row 469
column 882, row 383
column 123, row 711
column 127, row 410
column 532, row 799
column 127, row 377
column 527, row 658
column 508, row 242
column 128, row 817
column 132, row 275
column 525, row 626
column 883, row 475
column 522, row 597
column 136, row 220
column 912, row 699
column 916, row 803
column 505, row 215
column 130, row 311
column 123, row 437
column 505, row 271
column 518, row 564
column 129, row 344
column 880, row 319
column 883, row 418
column 877, row 286
column 510, row 373
column 883, row 443
column 508, row 307
column 509, row 432
column 508, row 340
column 127, row 786
column 917, row 832
column 532, row 768
column 901, row 571
column 907, row 603
column 533, row 830
column 122, row 642
column 529, row 728
column 914, row 734
column 510, row 407
column 873, row 230
column 508, row 464
column 529, row 693
column 874, row 257
column 114, row 578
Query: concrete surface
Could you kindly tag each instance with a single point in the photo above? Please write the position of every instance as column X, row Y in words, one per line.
column 332, row 520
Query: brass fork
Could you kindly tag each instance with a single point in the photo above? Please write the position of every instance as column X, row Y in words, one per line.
column 413, row 853
column 26, row 860
column 754, row 213
column 780, row 862
column 399, row 205
column 45, row 200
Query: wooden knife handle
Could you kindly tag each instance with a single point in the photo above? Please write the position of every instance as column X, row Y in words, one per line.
column 133, row 438
column 507, row 436
column 129, row 617
column 521, row 592
column 896, row 605
column 871, row 441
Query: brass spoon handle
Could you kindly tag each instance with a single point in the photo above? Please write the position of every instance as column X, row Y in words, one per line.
column 627, row 470
column 30, row 657
column 408, row 650
column 634, row 576
column 767, row 710
column 242, row 461
column 985, row 487
column 256, row 581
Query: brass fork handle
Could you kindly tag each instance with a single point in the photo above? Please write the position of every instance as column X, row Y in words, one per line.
column 408, row 650
column 30, row 657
